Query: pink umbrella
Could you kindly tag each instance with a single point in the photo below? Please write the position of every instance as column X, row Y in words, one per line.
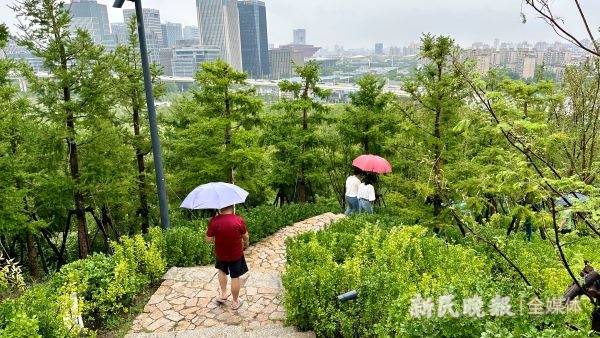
column 372, row 164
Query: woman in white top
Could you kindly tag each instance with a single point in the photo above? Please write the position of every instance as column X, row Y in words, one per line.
column 352, row 184
column 366, row 196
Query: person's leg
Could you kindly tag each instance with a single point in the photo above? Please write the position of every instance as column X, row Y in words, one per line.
column 235, row 290
column 354, row 204
column 237, row 269
column 348, row 211
column 222, row 276
column 223, row 284
column 368, row 207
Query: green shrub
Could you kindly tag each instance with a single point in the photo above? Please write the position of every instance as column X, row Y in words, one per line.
column 187, row 246
column 106, row 286
column 36, row 313
column 11, row 278
column 389, row 265
column 184, row 244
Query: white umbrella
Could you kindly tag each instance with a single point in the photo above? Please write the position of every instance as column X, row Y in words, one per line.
column 214, row 196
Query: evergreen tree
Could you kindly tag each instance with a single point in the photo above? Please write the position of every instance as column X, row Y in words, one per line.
column 74, row 99
column 129, row 84
column 294, row 133
column 369, row 120
column 438, row 94
column 212, row 134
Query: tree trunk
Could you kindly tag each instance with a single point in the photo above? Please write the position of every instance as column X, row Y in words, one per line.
column 302, row 184
column 32, row 255
column 144, row 210
column 82, row 232
column 228, row 135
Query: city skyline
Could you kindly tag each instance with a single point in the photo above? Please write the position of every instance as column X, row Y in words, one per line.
column 346, row 23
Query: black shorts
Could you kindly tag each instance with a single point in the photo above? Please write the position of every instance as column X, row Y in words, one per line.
column 234, row 269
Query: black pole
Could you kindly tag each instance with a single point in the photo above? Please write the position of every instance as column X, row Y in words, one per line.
column 156, row 151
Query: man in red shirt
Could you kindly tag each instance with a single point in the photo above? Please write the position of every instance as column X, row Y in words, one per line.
column 228, row 231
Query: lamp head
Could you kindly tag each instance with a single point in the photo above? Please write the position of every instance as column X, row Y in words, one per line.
column 118, row 3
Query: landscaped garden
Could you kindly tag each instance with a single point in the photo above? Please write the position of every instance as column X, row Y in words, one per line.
column 488, row 217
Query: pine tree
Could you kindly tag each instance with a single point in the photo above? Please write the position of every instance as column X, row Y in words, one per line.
column 129, row 83
column 74, row 96
column 295, row 136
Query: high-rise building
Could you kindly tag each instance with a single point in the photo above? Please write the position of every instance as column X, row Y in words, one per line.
column 191, row 33
column 120, row 33
column 283, row 60
column 171, row 33
column 219, row 23
column 152, row 25
column 253, row 37
column 187, row 60
column 166, row 61
column 14, row 51
column 300, row 36
column 91, row 16
column 379, row 48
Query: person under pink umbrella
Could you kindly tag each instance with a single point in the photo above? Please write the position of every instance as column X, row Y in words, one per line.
column 366, row 195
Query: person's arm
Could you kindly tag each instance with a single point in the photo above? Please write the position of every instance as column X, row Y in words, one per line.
column 210, row 233
column 245, row 234
column 246, row 239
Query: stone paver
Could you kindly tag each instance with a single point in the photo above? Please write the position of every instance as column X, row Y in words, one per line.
column 185, row 303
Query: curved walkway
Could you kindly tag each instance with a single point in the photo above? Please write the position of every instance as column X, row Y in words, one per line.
column 185, row 306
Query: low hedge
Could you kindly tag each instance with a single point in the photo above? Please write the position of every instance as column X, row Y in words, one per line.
column 185, row 244
column 106, row 286
column 388, row 265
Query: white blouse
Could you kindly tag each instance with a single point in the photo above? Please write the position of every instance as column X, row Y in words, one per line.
column 352, row 184
column 366, row 192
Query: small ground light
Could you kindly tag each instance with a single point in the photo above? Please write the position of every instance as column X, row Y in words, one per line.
column 348, row 296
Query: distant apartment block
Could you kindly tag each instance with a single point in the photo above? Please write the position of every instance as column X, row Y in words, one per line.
column 91, row 16
column 283, row 61
column 172, row 32
column 120, row 33
column 187, row 60
column 152, row 25
column 300, row 36
column 521, row 60
column 254, row 38
column 14, row 51
column 166, row 61
column 191, row 33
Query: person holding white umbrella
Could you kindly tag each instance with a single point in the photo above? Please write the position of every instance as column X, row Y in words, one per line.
column 227, row 230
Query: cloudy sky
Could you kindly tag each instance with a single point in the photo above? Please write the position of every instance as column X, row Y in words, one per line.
column 359, row 23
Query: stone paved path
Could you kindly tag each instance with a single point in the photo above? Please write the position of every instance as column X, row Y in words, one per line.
column 185, row 303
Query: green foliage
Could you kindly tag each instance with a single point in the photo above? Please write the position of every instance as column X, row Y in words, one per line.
column 212, row 134
column 37, row 313
column 298, row 167
column 11, row 277
column 4, row 34
column 187, row 246
column 369, row 120
column 388, row 265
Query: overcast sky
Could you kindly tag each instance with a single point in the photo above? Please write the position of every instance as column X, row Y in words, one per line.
column 359, row 23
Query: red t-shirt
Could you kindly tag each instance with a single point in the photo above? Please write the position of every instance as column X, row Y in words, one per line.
column 227, row 231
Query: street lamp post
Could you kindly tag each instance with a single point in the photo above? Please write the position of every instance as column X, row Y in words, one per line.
column 156, row 151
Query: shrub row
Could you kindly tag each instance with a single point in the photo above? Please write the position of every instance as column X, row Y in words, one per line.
column 106, row 286
column 186, row 245
column 389, row 265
